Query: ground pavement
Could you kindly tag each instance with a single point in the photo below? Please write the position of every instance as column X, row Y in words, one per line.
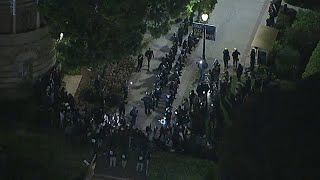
column 236, row 21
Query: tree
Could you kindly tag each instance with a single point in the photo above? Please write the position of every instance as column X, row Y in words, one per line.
column 274, row 136
column 313, row 66
column 287, row 62
column 304, row 33
column 110, row 30
column 95, row 30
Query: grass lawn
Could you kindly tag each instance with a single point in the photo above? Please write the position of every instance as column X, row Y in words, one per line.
column 41, row 156
column 171, row 166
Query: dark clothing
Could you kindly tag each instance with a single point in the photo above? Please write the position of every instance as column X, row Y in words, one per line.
column 140, row 62
column 191, row 99
column 133, row 114
column 239, row 72
column 149, row 54
column 226, row 58
column 252, row 59
column 122, row 108
column 235, row 56
column 147, row 104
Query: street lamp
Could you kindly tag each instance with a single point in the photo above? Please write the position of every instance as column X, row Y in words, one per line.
column 204, row 19
column 61, row 36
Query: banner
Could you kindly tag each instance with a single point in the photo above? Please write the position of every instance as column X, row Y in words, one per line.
column 197, row 29
column 210, row 30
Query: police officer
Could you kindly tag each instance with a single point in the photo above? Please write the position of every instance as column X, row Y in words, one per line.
column 226, row 58
column 149, row 54
column 235, row 56
column 147, row 103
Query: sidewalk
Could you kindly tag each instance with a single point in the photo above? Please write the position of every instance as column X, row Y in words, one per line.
column 143, row 82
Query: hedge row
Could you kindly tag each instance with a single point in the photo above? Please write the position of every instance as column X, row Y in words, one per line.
column 313, row 66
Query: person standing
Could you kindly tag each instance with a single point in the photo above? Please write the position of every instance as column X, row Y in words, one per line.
column 149, row 54
column 133, row 114
column 180, row 35
column 239, row 72
column 139, row 167
column 122, row 108
column 148, row 157
column 226, row 58
column 252, row 59
column 235, row 56
column 191, row 99
column 147, row 103
column 113, row 158
column 140, row 62
column 124, row 160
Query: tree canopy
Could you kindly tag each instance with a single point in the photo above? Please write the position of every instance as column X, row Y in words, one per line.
column 304, row 33
column 107, row 30
column 313, row 66
column 274, row 136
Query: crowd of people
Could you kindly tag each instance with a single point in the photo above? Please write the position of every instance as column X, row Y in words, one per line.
column 111, row 134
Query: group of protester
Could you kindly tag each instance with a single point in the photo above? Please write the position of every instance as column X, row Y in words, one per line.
column 109, row 132
column 175, row 128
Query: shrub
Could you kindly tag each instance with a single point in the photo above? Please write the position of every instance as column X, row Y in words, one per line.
column 310, row 4
column 304, row 33
column 277, row 46
column 313, row 66
column 285, row 20
column 287, row 61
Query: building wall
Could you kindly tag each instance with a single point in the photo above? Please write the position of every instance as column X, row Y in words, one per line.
column 25, row 55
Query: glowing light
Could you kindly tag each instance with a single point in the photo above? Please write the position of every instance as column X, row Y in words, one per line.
column 61, row 36
column 131, row 83
column 204, row 17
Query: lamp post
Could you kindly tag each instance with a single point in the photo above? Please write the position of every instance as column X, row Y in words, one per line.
column 204, row 19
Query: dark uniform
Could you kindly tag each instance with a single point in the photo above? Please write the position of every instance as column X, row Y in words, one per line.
column 226, row 58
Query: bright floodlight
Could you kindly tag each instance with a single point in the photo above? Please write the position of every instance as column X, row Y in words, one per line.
column 61, row 36
column 201, row 62
column 204, row 17
column 131, row 83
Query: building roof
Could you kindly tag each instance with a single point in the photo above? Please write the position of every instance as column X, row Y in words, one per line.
column 265, row 37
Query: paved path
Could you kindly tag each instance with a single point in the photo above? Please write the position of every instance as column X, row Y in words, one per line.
column 236, row 21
